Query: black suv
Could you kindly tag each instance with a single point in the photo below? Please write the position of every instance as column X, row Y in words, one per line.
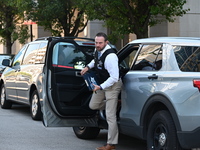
column 22, row 81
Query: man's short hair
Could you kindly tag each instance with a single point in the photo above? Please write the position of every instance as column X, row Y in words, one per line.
column 103, row 35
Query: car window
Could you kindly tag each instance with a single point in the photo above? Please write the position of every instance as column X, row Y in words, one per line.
column 188, row 58
column 149, row 58
column 31, row 53
column 66, row 55
column 41, row 53
column 19, row 56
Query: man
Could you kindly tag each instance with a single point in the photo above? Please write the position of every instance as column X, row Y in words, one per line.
column 105, row 95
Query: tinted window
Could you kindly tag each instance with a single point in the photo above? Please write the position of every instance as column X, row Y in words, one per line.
column 31, row 53
column 66, row 55
column 149, row 58
column 188, row 58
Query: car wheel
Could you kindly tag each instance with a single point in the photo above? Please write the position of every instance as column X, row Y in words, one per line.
column 35, row 106
column 86, row 132
column 162, row 132
column 4, row 103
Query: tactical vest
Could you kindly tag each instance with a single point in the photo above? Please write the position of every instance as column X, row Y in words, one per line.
column 102, row 73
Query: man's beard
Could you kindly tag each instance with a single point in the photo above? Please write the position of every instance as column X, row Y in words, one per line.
column 100, row 49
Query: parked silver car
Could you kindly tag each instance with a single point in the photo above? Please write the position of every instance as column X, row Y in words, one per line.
column 159, row 101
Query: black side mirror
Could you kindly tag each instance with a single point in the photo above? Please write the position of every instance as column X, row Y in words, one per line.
column 6, row 62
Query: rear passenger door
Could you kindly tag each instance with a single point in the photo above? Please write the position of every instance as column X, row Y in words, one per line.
column 24, row 74
column 30, row 68
column 141, row 81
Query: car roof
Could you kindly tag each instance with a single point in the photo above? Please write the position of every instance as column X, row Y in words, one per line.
column 79, row 40
column 6, row 54
column 170, row 40
column 70, row 37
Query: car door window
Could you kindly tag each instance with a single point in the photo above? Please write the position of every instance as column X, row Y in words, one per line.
column 41, row 53
column 149, row 58
column 30, row 55
column 18, row 58
column 66, row 55
column 126, row 58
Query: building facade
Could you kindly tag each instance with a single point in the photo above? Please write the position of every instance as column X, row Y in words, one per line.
column 186, row 26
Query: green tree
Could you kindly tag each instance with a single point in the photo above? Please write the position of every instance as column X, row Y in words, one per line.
column 59, row 16
column 133, row 16
column 11, row 24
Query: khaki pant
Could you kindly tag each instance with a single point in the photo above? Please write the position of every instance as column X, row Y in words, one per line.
column 107, row 99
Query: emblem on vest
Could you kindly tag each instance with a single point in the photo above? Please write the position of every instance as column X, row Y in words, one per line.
column 99, row 65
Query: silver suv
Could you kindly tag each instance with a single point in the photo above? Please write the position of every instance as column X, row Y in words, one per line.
column 159, row 101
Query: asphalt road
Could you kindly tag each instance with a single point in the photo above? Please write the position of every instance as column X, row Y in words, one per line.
column 19, row 132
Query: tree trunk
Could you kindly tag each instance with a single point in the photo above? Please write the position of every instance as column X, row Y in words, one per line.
column 9, row 30
column 8, row 46
column 141, row 30
column 142, row 33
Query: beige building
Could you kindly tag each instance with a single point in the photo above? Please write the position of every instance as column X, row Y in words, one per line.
column 187, row 25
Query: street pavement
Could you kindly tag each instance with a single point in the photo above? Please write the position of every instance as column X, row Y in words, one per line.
column 19, row 132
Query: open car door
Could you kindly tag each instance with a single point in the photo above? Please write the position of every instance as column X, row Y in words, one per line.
column 65, row 100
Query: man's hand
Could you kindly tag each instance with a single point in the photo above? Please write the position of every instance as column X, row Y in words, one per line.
column 84, row 70
column 96, row 87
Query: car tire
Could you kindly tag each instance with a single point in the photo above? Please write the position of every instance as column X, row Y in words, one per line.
column 35, row 107
column 5, row 104
column 86, row 132
column 162, row 132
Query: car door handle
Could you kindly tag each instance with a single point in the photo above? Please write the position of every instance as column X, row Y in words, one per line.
column 153, row 76
column 78, row 74
column 17, row 70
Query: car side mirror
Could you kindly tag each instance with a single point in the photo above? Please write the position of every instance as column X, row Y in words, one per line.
column 6, row 62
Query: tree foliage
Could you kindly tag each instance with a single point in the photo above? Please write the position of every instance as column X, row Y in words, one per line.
column 11, row 23
column 59, row 16
column 68, row 16
column 133, row 16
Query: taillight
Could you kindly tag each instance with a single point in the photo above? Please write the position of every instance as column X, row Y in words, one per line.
column 196, row 83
